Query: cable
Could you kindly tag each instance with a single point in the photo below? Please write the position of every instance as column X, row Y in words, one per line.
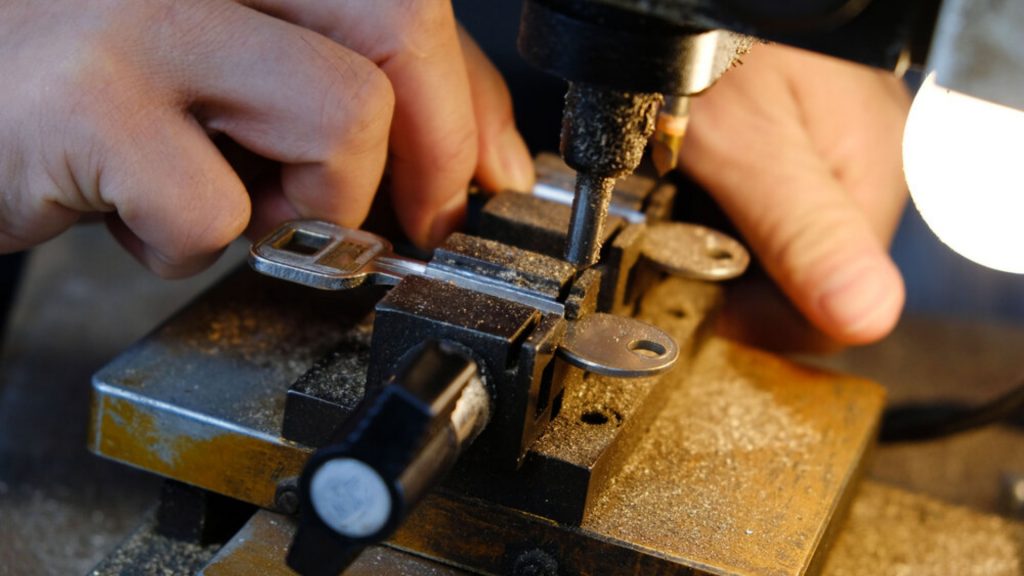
column 923, row 422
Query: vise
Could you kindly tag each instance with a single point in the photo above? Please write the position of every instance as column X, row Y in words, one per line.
column 490, row 411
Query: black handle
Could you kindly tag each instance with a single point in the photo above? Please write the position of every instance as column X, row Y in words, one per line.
column 358, row 489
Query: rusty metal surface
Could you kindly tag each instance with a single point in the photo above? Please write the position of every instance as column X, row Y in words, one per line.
column 892, row 532
column 600, row 422
column 201, row 400
column 260, row 548
column 743, row 472
column 889, row 532
column 747, row 467
column 744, row 438
column 148, row 553
column 84, row 300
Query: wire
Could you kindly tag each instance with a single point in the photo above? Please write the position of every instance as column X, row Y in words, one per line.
column 923, row 422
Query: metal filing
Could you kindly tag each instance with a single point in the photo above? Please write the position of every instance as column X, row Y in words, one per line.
column 604, row 133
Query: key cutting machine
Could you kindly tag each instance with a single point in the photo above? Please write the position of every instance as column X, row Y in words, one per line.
column 588, row 421
column 542, row 396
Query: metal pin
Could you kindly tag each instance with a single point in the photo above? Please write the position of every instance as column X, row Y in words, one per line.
column 589, row 211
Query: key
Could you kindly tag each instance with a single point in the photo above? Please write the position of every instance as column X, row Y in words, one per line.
column 618, row 346
column 328, row 257
column 693, row 251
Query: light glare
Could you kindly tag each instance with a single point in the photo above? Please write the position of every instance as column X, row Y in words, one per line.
column 963, row 161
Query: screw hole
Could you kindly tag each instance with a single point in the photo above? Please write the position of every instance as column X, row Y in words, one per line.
column 647, row 348
column 679, row 313
column 601, row 416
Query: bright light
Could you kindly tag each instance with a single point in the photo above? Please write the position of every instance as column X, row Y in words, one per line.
column 964, row 162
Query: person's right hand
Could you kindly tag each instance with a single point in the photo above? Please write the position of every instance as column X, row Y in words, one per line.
column 109, row 106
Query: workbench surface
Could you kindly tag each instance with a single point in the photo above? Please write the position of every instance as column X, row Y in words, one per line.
column 82, row 300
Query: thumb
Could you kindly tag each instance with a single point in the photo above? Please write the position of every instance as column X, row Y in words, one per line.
column 809, row 234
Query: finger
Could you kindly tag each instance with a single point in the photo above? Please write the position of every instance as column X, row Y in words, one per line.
column 864, row 151
column 262, row 178
column 32, row 195
column 813, row 240
column 294, row 96
column 30, row 213
column 433, row 134
column 757, row 313
column 178, row 202
column 504, row 160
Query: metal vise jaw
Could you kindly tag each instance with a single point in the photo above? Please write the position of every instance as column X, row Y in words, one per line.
column 515, row 344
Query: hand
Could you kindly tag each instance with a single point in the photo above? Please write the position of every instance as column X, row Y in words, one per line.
column 803, row 152
column 110, row 107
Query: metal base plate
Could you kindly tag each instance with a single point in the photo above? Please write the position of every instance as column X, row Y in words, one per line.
column 745, row 471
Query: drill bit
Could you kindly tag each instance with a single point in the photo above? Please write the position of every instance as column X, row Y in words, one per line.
column 589, row 211
column 669, row 132
column 604, row 133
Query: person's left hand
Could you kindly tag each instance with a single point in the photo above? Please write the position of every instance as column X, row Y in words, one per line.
column 803, row 153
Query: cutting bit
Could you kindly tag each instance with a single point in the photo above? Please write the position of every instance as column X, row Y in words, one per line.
column 593, row 194
column 669, row 131
column 604, row 133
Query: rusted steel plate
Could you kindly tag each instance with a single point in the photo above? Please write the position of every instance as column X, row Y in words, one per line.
column 261, row 545
column 201, row 400
column 745, row 471
column 186, row 446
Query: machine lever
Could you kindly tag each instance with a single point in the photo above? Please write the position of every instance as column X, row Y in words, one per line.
column 359, row 488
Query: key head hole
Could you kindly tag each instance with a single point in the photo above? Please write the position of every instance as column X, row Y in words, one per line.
column 647, row 348
column 719, row 254
column 304, row 242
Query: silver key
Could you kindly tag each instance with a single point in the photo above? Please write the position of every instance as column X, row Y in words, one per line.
column 328, row 257
column 618, row 346
column 693, row 251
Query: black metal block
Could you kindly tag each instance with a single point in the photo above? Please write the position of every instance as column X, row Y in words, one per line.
column 533, row 271
column 595, row 424
column 323, row 397
column 512, row 343
column 191, row 514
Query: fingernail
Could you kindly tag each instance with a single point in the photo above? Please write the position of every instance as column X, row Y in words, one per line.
column 450, row 217
column 862, row 301
column 516, row 162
